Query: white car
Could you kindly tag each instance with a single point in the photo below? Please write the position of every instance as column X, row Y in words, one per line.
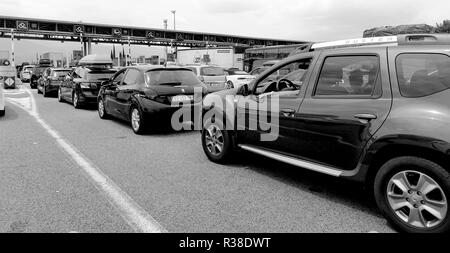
column 25, row 74
column 2, row 101
column 214, row 77
column 236, row 78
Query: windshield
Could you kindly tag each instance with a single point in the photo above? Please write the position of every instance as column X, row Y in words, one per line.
column 171, row 78
column 212, row 71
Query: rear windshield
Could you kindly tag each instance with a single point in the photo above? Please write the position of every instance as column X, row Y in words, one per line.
column 99, row 76
column 237, row 72
column 212, row 71
column 59, row 73
column 39, row 70
column 422, row 75
column 171, row 78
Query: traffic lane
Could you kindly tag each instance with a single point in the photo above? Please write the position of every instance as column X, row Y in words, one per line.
column 169, row 175
column 41, row 189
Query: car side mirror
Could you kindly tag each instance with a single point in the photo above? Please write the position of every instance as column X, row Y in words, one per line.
column 243, row 90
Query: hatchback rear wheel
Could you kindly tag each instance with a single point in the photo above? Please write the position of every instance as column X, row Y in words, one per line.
column 60, row 99
column 101, row 109
column 413, row 194
column 76, row 100
column 137, row 120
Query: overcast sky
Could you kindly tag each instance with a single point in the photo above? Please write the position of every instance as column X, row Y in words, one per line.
column 313, row 20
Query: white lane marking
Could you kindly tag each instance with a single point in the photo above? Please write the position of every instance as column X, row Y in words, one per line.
column 130, row 211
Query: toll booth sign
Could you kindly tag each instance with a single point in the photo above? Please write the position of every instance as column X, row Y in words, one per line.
column 78, row 29
column 22, row 25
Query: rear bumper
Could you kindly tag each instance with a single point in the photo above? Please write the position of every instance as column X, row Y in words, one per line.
column 163, row 113
column 88, row 97
column 53, row 87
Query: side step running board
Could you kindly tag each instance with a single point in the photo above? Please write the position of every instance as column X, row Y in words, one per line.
column 294, row 161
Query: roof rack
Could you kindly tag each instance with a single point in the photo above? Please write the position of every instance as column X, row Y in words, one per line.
column 404, row 39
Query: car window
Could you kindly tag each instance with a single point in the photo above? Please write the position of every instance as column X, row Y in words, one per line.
column 79, row 73
column 212, row 71
column 193, row 69
column 118, row 78
column 348, row 75
column 422, row 74
column 132, row 76
column 285, row 78
column 169, row 77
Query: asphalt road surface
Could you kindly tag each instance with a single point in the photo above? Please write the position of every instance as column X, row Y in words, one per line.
column 66, row 170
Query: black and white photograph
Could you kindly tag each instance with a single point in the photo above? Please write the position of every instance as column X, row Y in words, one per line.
column 243, row 119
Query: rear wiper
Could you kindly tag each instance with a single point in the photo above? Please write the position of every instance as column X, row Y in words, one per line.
column 171, row 84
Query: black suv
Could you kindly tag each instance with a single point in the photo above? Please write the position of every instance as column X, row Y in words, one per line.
column 81, row 86
column 373, row 110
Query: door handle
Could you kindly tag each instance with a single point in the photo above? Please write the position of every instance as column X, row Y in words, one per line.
column 287, row 112
column 366, row 116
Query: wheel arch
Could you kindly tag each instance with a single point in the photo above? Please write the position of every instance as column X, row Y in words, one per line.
column 380, row 152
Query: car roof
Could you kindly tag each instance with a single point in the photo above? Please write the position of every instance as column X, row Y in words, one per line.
column 61, row 69
column 146, row 68
column 95, row 59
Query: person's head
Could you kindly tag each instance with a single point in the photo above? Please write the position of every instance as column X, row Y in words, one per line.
column 356, row 79
column 444, row 72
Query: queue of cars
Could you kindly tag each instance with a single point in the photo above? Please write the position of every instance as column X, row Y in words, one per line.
column 373, row 111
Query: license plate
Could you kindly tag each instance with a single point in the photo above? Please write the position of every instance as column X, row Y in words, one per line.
column 182, row 98
column 215, row 84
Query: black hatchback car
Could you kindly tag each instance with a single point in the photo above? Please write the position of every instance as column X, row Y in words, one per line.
column 147, row 96
column 81, row 86
column 51, row 79
column 374, row 110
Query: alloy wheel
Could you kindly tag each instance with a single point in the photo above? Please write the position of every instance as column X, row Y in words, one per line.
column 75, row 100
column 101, row 108
column 214, row 140
column 417, row 199
column 135, row 119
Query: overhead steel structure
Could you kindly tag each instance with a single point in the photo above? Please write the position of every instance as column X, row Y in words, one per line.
column 88, row 33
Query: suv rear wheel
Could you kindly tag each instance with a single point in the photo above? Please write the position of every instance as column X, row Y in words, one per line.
column 137, row 120
column 101, row 109
column 413, row 194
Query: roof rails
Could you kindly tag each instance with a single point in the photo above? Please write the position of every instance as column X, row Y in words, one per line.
column 405, row 39
column 387, row 40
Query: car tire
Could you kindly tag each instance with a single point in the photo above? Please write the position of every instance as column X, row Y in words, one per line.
column 230, row 85
column 60, row 98
column 217, row 143
column 2, row 113
column 44, row 92
column 76, row 100
column 414, row 209
column 137, row 120
column 101, row 109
